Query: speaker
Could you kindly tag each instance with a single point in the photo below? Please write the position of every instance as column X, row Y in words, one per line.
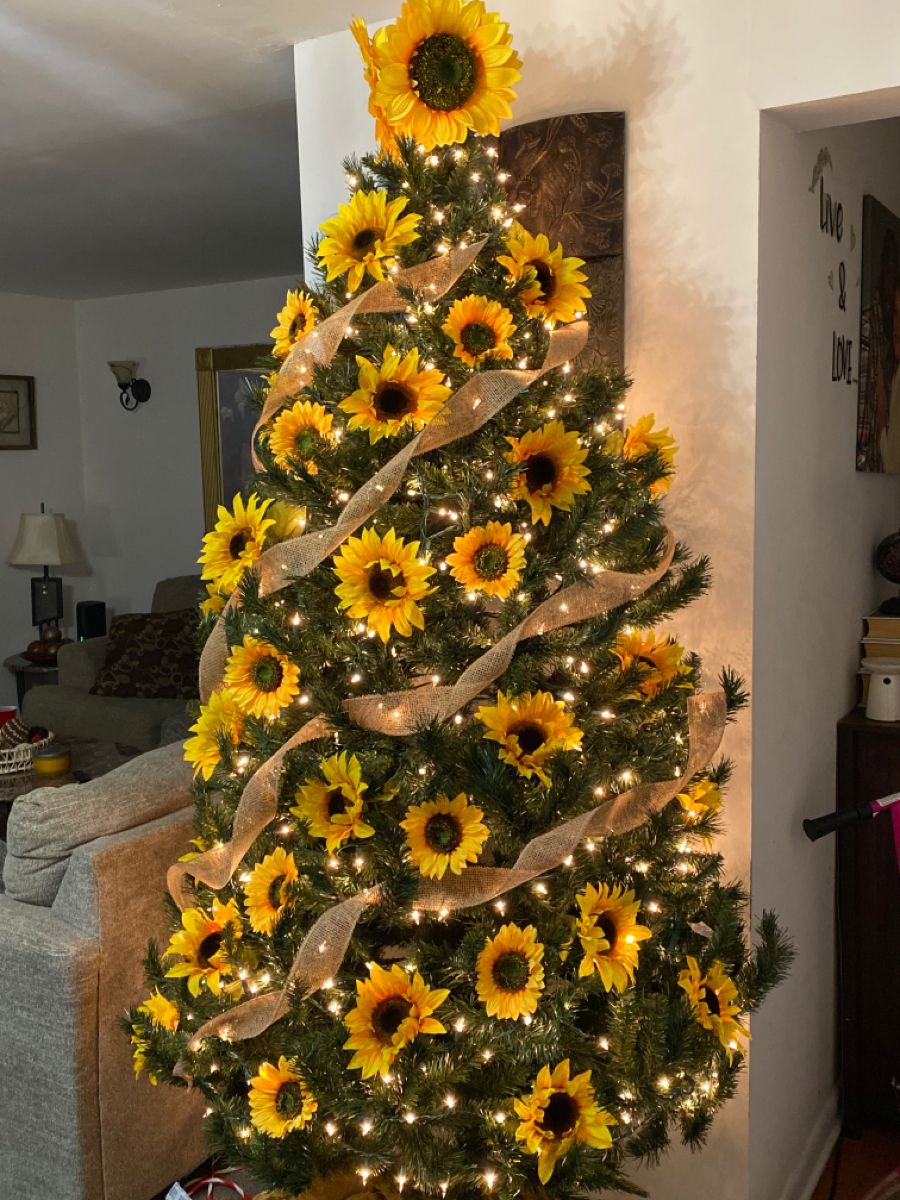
column 90, row 619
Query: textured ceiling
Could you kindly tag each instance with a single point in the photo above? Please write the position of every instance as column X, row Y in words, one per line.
column 151, row 144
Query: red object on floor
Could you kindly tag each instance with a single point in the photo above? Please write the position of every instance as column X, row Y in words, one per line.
column 888, row 1189
column 206, row 1186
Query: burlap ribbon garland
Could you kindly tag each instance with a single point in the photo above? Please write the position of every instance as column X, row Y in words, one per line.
column 322, row 951
column 400, row 713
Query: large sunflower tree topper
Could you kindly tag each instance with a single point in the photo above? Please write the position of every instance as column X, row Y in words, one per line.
column 454, row 923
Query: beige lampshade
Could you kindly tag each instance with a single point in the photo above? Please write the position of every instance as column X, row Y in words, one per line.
column 43, row 540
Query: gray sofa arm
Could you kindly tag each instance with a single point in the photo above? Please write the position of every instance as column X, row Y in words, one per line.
column 48, row 1053
column 79, row 663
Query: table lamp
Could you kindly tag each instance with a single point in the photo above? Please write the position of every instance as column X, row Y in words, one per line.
column 44, row 540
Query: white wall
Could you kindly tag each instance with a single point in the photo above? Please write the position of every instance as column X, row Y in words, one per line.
column 142, row 487
column 37, row 337
column 691, row 279
column 818, row 521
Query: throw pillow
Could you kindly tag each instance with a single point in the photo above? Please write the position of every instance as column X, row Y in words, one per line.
column 151, row 656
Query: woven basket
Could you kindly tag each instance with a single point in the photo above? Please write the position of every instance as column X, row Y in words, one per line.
column 18, row 758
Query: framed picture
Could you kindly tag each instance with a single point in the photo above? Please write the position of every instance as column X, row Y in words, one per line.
column 878, row 413
column 227, row 418
column 17, row 428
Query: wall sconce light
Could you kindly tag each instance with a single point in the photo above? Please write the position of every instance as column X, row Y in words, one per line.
column 132, row 391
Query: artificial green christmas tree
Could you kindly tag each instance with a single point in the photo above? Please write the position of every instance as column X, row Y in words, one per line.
column 454, row 922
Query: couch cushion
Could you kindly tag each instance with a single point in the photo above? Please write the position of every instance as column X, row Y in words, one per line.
column 70, row 712
column 49, row 823
column 181, row 591
column 151, row 656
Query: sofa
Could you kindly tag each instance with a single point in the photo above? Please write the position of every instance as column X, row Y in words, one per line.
column 83, row 880
column 69, row 709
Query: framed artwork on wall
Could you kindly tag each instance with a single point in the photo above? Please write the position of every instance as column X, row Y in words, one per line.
column 227, row 418
column 17, row 425
column 878, row 413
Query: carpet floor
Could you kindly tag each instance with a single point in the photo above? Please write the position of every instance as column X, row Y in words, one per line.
column 864, row 1162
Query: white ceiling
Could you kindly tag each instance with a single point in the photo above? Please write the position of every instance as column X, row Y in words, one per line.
column 150, row 144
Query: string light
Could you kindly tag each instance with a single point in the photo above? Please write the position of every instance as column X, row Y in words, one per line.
column 330, row 1128
column 450, row 1100
column 410, row 1118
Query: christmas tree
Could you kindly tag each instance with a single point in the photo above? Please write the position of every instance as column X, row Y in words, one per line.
column 454, row 922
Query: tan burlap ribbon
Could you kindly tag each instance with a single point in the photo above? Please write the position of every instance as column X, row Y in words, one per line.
column 473, row 405
column 317, row 348
column 400, row 713
column 322, row 951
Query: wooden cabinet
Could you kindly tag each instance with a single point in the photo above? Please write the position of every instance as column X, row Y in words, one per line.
column 868, row 884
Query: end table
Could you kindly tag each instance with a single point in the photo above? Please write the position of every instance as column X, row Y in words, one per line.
column 29, row 674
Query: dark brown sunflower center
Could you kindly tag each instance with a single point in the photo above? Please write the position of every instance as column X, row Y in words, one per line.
column 545, row 280
column 442, row 833
column 711, row 1000
column 289, row 1100
column 365, row 239
column 393, row 402
column 531, row 737
column 610, row 932
column 208, row 948
column 444, row 71
column 275, row 891
column 382, row 583
column 298, row 326
column 478, row 337
column 238, row 544
column 389, row 1015
column 510, row 971
column 540, row 472
column 267, row 673
column 490, row 562
column 337, row 802
column 560, row 1115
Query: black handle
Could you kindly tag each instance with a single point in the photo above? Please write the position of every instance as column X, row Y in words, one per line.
column 816, row 827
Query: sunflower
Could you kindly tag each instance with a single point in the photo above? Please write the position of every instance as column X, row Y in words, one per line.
column 555, row 286
column 657, row 658
column 392, row 1008
column 382, row 580
column 530, row 728
column 139, row 1048
column 479, row 328
column 280, row 1100
column 261, row 679
column 235, row 543
column 561, row 1111
column 609, row 935
column 444, row 67
column 552, row 474
column 269, row 890
column 365, row 236
column 711, row 995
column 161, row 1011
column 641, row 439
column 704, row 797
column 510, row 972
column 489, row 558
column 288, row 521
column 297, row 431
column 221, row 717
column 383, row 132
column 214, row 602
column 395, row 395
column 297, row 318
column 444, row 833
column 333, row 809
column 199, row 944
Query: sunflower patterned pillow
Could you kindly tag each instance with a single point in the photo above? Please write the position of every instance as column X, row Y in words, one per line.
column 150, row 656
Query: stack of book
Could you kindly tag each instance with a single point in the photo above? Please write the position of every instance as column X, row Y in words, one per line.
column 881, row 639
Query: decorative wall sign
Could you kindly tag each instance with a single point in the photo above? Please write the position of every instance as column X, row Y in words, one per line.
column 878, row 414
column 17, row 425
column 569, row 172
